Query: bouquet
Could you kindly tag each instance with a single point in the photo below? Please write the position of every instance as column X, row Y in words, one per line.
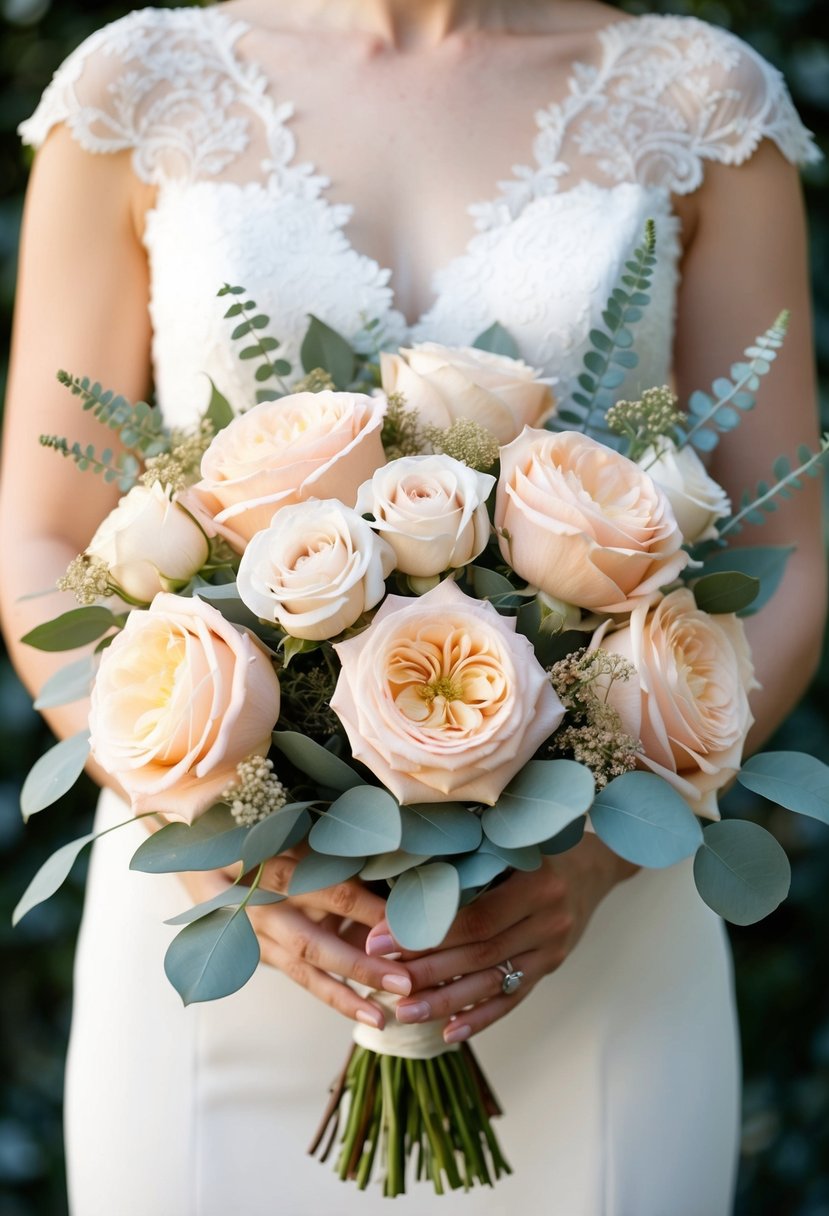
column 415, row 621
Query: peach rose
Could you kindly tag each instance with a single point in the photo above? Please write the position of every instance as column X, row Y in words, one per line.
column 583, row 523
column 316, row 570
column 697, row 500
column 180, row 698
column 431, row 510
column 690, row 708
column 446, row 383
column 308, row 445
column 442, row 699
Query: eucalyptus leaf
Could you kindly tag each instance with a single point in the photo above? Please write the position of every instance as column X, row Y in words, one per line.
column 231, row 897
column 566, row 839
column 316, row 761
column 389, row 865
column 422, row 905
column 316, row 871
column 225, row 598
column 219, row 411
column 540, row 801
column 528, row 857
column 323, row 347
column 498, row 341
column 726, row 592
column 72, row 629
column 437, row 829
column 273, row 834
column 54, row 773
column 643, row 819
column 361, row 823
column 70, row 683
column 478, row 869
column 795, row 780
column 51, row 876
column 211, row 841
column 213, row 956
column 741, row 871
column 489, row 585
column 764, row 562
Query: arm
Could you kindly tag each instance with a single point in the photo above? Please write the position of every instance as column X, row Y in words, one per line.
column 745, row 261
column 83, row 305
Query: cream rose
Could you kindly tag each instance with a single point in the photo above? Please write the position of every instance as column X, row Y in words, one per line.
column 431, row 510
column 697, row 500
column 315, row 570
column 583, row 523
column 309, row 445
column 690, row 708
column 180, row 698
column 446, row 383
column 442, row 699
column 150, row 543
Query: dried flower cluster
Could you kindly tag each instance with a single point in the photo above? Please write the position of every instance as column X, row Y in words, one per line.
column 317, row 381
column 179, row 467
column 87, row 578
column 644, row 422
column 593, row 734
column 306, row 697
column 467, row 441
column 257, row 793
column 402, row 432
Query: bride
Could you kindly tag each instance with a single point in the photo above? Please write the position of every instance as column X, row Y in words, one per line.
column 332, row 155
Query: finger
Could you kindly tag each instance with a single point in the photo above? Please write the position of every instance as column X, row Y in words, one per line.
column 436, row 1003
column 473, row 1021
column 443, row 965
column 346, row 899
column 310, row 943
column 324, row 987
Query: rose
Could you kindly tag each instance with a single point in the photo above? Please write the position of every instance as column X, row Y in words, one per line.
column 690, row 708
column 447, row 383
column 431, row 510
column 697, row 500
column 308, row 445
column 180, row 698
column 583, row 523
column 442, row 699
column 150, row 543
column 315, row 570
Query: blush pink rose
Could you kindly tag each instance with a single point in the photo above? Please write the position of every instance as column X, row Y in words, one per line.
column 690, row 706
column 583, row 523
column 180, row 698
column 308, row 445
column 442, row 699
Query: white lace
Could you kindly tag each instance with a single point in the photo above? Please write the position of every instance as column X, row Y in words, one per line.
column 205, row 127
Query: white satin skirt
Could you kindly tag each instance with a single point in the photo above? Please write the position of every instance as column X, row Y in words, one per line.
column 619, row 1075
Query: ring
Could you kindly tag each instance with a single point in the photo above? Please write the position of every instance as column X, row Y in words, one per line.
column 512, row 978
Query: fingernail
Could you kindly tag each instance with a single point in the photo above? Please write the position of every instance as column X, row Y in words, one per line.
column 370, row 1019
column 420, row 1011
column 381, row 944
column 399, row 984
column 456, row 1034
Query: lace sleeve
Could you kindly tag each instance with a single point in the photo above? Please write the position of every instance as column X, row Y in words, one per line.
column 159, row 82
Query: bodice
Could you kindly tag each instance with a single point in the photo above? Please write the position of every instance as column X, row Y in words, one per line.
column 212, row 133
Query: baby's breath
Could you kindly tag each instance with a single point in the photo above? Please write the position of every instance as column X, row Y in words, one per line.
column 594, row 734
column 257, row 793
column 646, row 421
column 402, row 432
column 317, row 381
column 87, row 578
column 468, row 441
column 179, row 467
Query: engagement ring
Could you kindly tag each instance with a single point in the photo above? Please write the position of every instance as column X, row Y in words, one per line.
column 512, row 978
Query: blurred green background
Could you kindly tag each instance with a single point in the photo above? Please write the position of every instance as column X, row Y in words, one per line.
column 782, row 964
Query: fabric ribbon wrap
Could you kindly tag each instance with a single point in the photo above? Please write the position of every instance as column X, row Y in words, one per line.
column 421, row 1041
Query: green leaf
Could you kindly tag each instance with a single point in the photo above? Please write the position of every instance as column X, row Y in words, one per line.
column 422, row 905
column 498, row 341
column 263, row 373
column 54, row 773
column 213, row 956
column 489, row 585
column 275, row 833
column 362, row 822
column 764, row 562
column 389, row 865
column 795, row 780
column 219, row 411
column 741, row 871
column 643, row 819
column 209, row 842
column 726, row 592
column 528, row 857
column 566, row 839
column 316, row 871
column 70, row 683
column 316, row 761
column 230, row 897
column 226, row 599
column 478, row 869
column 323, row 347
column 78, row 627
column 437, row 829
column 540, row 801
column 51, row 876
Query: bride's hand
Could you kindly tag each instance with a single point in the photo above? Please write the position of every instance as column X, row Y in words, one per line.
column 533, row 919
column 302, row 937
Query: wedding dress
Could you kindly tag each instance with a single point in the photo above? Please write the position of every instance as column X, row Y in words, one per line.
column 620, row 1073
